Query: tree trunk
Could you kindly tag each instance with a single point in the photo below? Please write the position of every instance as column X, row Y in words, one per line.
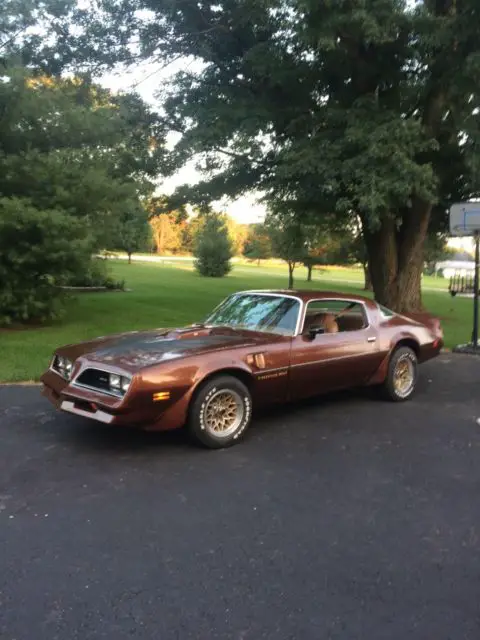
column 291, row 267
column 368, row 279
column 395, row 256
column 129, row 257
column 309, row 272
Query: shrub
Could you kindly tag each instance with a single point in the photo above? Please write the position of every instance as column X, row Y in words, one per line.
column 95, row 274
column 213, row 248
column 39, row 250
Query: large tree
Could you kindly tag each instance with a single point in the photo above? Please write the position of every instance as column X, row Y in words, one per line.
column 32, row 30
column 72, row 156
column 367, row 108
column 68, row 144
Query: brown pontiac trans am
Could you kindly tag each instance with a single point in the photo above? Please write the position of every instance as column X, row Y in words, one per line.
column 255, row 348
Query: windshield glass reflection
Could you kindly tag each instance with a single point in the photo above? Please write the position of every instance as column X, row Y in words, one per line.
column 256, row 312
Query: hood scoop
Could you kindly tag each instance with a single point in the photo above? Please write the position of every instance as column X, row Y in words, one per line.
column 188, row 332
column 198, row 331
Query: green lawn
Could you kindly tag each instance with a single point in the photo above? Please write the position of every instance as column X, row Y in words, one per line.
column 172, row 295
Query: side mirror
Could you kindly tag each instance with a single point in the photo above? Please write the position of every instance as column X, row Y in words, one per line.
column 313, row 332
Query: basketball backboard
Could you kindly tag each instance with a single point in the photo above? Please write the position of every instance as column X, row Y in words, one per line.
column 465, row 219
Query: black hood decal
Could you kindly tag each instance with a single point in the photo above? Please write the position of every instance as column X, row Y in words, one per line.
column 149, row 348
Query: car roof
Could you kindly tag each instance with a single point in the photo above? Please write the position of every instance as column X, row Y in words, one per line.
column 306, row 295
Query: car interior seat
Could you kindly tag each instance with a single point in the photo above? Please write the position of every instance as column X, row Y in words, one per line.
column 351, row 322
column 325, row 320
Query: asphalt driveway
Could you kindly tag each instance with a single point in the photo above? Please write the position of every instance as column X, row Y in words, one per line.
column 345, row 518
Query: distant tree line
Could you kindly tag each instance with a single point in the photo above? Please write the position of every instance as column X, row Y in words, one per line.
column 214, row 238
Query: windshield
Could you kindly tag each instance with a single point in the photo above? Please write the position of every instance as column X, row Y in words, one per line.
column 256, row 312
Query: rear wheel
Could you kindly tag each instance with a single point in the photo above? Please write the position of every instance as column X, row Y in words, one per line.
column 401, row 379
column 220, row 413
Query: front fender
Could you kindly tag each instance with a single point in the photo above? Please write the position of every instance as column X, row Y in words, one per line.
column 183, row 381
column 224, row 365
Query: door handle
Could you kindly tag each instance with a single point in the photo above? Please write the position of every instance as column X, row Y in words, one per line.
column 371, row 339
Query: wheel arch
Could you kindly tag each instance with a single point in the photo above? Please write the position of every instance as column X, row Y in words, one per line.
column 407, row 341
column 196, row 424
column 236, row 372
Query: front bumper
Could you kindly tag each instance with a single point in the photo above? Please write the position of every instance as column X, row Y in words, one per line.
column 86, row 403
column 79, row 407
column 110, row 410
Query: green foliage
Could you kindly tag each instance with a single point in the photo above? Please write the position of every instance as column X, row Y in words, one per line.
column 289, row 241
column 31, row 32
column 39, row 250
column 132, row 232
column 323, row 246
column 74, row 152
column 190, row 232
column 213, row 248
column 258, row 245
column 95, row 274
column 68, row 144
column 365, row 108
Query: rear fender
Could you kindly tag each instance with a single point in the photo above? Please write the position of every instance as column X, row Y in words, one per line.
column 381, row 373
column 430, row 321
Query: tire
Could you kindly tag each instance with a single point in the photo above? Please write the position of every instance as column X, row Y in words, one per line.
column 392, row 387
column 220, row 413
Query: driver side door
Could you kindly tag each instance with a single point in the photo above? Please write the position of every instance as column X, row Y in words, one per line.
column 331, row 361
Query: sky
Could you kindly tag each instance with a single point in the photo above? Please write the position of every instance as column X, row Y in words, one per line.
column 147, row 80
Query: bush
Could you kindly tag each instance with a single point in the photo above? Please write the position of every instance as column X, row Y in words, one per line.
column 39, row 250
column 213, row 248
column 96, row 274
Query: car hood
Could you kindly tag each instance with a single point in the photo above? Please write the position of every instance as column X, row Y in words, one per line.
column 140, row 349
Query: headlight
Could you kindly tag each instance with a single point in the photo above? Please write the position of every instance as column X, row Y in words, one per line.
column 115, row 381
column 119, row 383
column 63, row 366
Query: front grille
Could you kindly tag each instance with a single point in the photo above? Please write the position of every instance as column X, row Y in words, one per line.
column 95, row 379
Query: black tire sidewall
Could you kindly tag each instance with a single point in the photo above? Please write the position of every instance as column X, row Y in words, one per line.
column 195, row 419
column 400, row 353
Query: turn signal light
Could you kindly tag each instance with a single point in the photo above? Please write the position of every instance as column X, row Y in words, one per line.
column 161, row 395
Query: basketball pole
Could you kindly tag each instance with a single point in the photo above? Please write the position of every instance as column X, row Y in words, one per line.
column 475, row 293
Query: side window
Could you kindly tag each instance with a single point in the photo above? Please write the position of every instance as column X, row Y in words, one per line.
column 335, row 315
column 386, row 313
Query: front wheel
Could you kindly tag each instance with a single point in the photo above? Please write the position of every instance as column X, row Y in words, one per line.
column 220, row 413
column 401, row 377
